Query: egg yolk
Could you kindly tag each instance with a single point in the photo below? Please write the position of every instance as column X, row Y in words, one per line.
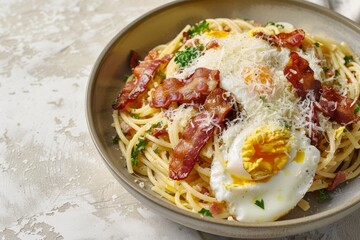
column 258, row 76
column 265, row 152
column 299, row 157
column 217, row 34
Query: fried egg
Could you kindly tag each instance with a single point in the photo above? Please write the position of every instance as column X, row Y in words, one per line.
column 267, row 163
column 264, row 172
column 249, row 67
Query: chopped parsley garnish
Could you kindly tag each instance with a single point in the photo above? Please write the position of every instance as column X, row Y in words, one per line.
column 125, row 78
column 135, row 162
column 156, row 125
column 156, row 150
column 357, row 109
column 263, row 98
column 184, row 58
column 116, row 139
column 135, row 116
column 269, row 23
column 287, row 125
column 325, row 69
column 205, row 212
column 317, row 44
column 160, row 74
column 136, row 150
column 199, row 46
column 198, row 28
column 338, row 83
column 337, row 73
column 260, row 203
column 279, row 26
column 348, row 59
column 324, row 195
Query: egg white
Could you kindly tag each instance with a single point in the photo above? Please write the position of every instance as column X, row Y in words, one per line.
column 280, row 193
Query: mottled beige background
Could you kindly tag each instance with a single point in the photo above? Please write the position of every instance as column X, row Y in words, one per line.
column 53, row 183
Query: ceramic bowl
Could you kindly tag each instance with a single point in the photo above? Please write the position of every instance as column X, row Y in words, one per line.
column 160, row 26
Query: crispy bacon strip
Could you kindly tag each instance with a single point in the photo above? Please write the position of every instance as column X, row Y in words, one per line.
column 134, row 59
column 186, row 36
column 125, row 128
column 339, row 178
column 301, row 76
column 216, row 208
column 143, row 74
column 288, row 40
column 212, row 44
column 326, row 99
column 205, row 191
column 198, row 132
column 193, row 89
column 338, row 108
column 315, row 135
column 156, row 132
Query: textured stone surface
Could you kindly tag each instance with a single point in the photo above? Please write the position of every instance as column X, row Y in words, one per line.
column 53, row 184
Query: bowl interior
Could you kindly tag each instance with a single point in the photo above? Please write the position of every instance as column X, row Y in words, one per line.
column 160, row 26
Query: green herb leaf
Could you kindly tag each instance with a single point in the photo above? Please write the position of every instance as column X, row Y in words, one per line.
column 269, row 23
column 199, row 46
column 205, row 212
column 160, row 74
column 337, row 73
column 184, row 58
column 125, row 78
column 138, row 148
column 348, row 59
column 325, row 69
column 116, row 139
column 280, row 26
column 263, row 98
column 158, row 124
column 198, row 28
column 156, row 150
column 316, row 44
column 324, row 195
column 338, row 83
column 357, row 109
column 135, row 116
column 135, row 162
column 260, row 203
column 286, row 124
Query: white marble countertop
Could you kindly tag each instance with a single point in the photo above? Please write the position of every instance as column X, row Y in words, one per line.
column 53, row 183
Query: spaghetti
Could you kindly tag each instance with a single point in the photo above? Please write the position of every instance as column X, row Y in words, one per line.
column 148, row 135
